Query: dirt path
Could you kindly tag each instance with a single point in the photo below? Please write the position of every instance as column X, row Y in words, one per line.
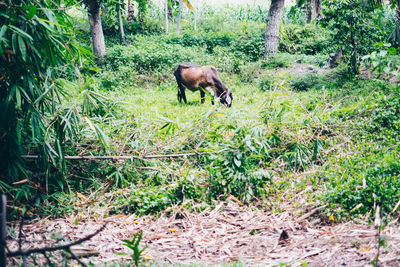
column 228, row 233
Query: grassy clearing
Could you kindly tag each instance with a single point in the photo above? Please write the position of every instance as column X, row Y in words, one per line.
column 286, row 136
column 298, row 132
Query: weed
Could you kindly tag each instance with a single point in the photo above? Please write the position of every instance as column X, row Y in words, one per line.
column 134, row 246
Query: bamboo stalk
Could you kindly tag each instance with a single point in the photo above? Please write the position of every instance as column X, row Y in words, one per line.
column 120, row 157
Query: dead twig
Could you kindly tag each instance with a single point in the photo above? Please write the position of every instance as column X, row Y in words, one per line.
column 309, row 214
column 51, row 249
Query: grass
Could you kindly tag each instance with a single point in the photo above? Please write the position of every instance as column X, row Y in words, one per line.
column 287, row 131
column 306, row 133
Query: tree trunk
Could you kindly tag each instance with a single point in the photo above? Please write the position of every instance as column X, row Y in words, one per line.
column 398, row 11
column 131, row 12
column 178, row 23
column 121, row 25
column 99, row 48
column 166, row 16
column 272, row 29
column 316, row 9
column 308, row 11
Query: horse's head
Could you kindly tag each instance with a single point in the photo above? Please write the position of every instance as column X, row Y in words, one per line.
column 226, row 98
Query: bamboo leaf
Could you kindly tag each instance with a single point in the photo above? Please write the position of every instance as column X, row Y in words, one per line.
column 22, row 47
column 20, row 32
column 2, row 33
column 32, row 12
column 186, row 2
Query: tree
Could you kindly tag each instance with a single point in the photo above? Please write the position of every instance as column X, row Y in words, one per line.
column 96, row 29
column 272, row 29
column 355, row 32
column 121, row 25
column 316, row 9
column 131, row 13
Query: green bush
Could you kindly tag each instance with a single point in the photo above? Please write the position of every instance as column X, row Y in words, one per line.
column 363, row 182
column 280, row 61
column 238, row 169
column 147, row 55
column 142, row 201
column 307, row 82
column 309, row 39
column 266, row 83
column 386, row 114
column 249, row 47
column 209, row 40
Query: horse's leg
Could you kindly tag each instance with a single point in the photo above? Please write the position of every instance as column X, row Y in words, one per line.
column 181, row 93
column 202, row 95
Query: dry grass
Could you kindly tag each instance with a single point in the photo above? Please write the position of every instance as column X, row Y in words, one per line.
column 228, row 233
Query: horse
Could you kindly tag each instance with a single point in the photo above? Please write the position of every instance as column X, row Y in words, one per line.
column 203, row 78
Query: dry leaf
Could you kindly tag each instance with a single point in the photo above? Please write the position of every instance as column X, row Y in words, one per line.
column 81, row 196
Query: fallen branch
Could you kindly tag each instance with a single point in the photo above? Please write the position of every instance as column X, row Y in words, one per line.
column 51, row 249
column 120, row 157
column 309, row 214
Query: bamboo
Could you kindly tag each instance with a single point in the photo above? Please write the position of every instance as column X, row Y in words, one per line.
column 120, row 157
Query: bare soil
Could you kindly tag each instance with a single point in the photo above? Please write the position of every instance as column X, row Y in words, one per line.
column 228, row 233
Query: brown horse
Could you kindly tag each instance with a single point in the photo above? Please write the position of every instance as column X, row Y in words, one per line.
column 203, row 78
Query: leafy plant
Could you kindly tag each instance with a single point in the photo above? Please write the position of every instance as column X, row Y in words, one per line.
column 37, row 47
column 354, row 29
column 134, row 246
column 307, row 82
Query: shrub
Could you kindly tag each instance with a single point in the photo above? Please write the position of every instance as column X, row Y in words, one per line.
column 238, row 169
column 309, row 39
column 266, row 83
column 280, row 61
column 209, row 40
column 363, row 182
column 304, row 83
column 146, row 55
column 249, row 72
column 143, row 201
column 250, row 47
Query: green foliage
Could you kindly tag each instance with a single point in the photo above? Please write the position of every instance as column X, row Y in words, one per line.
column 309, row 39
column 386, row 117
column 147, row 55
column 134, row 246
column 251, row 47
column 363, row 183
column 143, row 201
column 280, row 61
column 355, row 29
column 238, row 169
column 36, row 44
column 306, row 82
column 266, row 83
column 384, row 60
column 209, row 41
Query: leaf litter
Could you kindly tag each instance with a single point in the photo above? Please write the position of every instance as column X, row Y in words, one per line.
column 228, row 233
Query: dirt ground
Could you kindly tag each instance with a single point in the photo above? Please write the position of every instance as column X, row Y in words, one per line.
column 229, row 233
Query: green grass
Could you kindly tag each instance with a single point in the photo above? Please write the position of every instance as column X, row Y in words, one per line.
column 255, row 150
